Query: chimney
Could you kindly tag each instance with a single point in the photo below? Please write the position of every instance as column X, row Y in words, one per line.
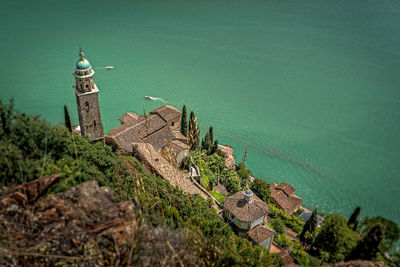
column 248, row 194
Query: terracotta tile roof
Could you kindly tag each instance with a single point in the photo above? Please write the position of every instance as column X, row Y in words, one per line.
column 248, row 212
column 128, row 117
column 167, row 112
column 260, row 233
column 159, row 138
column 180, row 136
column 148, row 129
column 288, row 202
column 226, row 150
column 178, row 146
column 272, row 186
column 287, row 188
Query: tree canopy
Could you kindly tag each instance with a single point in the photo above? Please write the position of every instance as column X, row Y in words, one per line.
column 336, row 239
column 261, row 189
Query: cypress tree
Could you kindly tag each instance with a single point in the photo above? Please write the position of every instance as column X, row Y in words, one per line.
column 215, row 147
column 307, row 235
column 207, row 143
column 211, row 131
column 67, row 119
column 194, row 133
column 367, row 247
column 184, row 123
column 354, row 216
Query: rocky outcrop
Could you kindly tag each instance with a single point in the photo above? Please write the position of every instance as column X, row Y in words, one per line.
column 359, row 263
column 83, row 226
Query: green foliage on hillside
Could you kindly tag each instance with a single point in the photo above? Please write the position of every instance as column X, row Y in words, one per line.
column 220, row 197
column 291, row 221
column 391, row 231
column 308, row 233
column 261, row 189
column 33, row 148
column 336, row 240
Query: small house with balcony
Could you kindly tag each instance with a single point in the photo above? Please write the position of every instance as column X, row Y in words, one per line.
column 246, row 213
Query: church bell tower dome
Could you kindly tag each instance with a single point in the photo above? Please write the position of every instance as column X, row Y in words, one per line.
column 83, row 69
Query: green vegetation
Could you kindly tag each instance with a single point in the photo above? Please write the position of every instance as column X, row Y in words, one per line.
column 291, row 221
column 207, row 144
column 184, row 123
column 307, row 235
column 261, row 189
column 34, row 148
column 282, row 240
column 278, row 225
column 194, row 133
column 336, row 240
column 67, row 119
column 353, row 220
column 368, row 247
column 391, row 231
column 243, row 174
column 220, row 197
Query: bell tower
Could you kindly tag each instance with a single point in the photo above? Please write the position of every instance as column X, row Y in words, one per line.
column 87, row 100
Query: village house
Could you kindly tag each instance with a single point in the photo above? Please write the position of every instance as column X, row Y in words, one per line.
column 160, row 128
column 283, row 196
column 227, row 153
column 245, row 212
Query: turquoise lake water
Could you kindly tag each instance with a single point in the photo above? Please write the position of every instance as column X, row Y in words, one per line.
column 311, row 87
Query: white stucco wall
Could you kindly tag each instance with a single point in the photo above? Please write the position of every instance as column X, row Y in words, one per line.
column 257, row 222
column 267, row 243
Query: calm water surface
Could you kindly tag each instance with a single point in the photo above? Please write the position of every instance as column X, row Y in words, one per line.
column 311, row 87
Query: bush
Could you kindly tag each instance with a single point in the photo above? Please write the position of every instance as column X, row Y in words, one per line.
column 220, row 197
column 282, row 241
column 291, row 221
column 278, row 225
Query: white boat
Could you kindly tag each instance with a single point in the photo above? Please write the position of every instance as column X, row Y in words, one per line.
column 149, row 97
column 109, row 67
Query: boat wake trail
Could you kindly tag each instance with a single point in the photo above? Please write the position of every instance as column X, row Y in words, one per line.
column 155, row 98
column 105, row 68
column 302, row 164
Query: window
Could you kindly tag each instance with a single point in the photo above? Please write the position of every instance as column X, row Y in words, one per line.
column 94, row 123
column 87, row 106
column 172, row 124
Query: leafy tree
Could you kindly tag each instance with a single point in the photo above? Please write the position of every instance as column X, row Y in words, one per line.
column 282, row 240
column 353, row 218
column 278, row 225
column 368, row 247
column 233, row 183
column 293, row 222
column 194, row 133
column 391, row 231
column 242, row 171
column 335, row 238
column 184, row 123
column 307, row 235
column 261, row 189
